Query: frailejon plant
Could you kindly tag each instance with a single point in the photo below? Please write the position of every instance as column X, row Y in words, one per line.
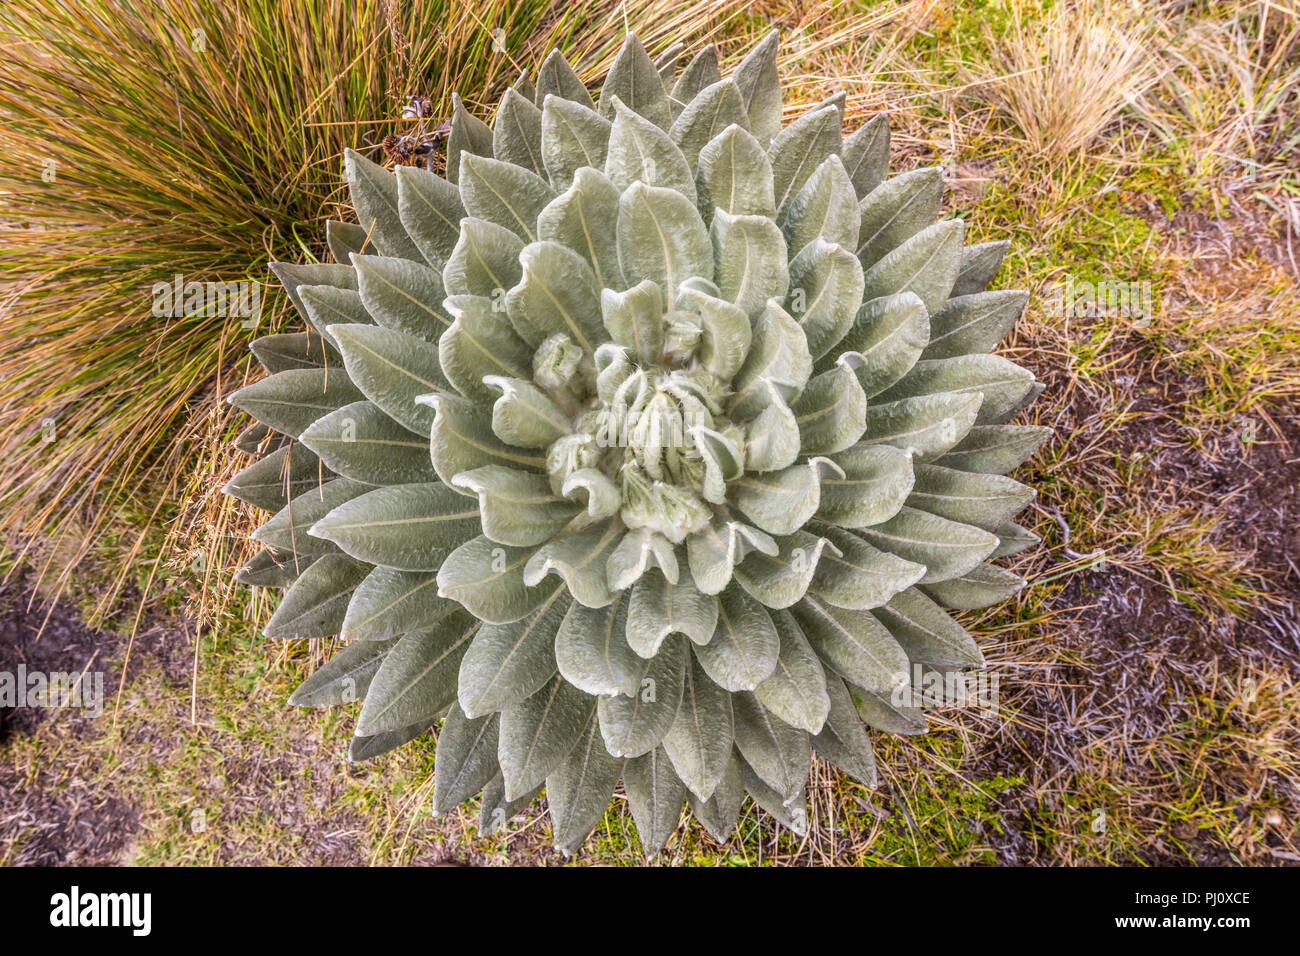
column 650, row 444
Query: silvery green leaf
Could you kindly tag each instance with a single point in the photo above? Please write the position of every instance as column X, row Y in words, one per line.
column 866, row 154
column 391, row 602
column 287, row 529
column 292, row 400
column 469, row 134
column 948, row 549
column 635, row 319
column 983, row 587
column 661, row 237
column 556, row 294
column 557, row 77
column 364, row 748
column 484, row 262
column 270, row 568
column 780, row 502
column 402, row 296
column 877, row 480
column 503, row 193
column 749, row 260
column 723, row 461
column 778, row 356
column 831, row 412
column 838, row 100
column 465, row 758
column 592, row 651
column 793, row 817
column 826, row 208
column 702, row 72
column 524, row 415
column 780, row 580
column 666, row 63
column 480, row 343
column 634, row 726
column 660, row 607
column 778, row 753
column 360, row 442
column 462, row 439
column 928, row 425
column 431, row 212
column 271, row 481
column 897, row 210
column 326, row 305
column 508, row 662
column 496, row 811
column 985, row 501
column 886, row 340
column 858, row 576
column 638, row 552
column 347, row 237
column 881, row 712
column 293, row 276
column 760, row 88
column 979, row 264
column 634, row 80
column 374, row 197
column 843, row 741
column 772, row 439
column 603, row 497
column 539, row 731
column 1012, row 539
column 1004, row 415
column 705, row 117
column 743, row 650
column 640, row 151
column 411, row 527
column 734, row 174
column 276, row 353
column 799, row 149
column 573, row 138
column 417, row 680
column 487, row 579
column 719, row 814
column 344, row 678
column 314, row 606
column 580, row 559
column 391, row 369
column 585, row 219
column 853, row 643
column 516, row 507
column 925, row 264
column 995, row 449
column 655, row 795
column 725, row 332
column 517, row 133
column 825, row 294
column 524, row 86
column 579, row 788
column 927, row 633
column 258, row 439
column 1002, row 383
column 699, row 741
column 796, row 689
column 973, row 323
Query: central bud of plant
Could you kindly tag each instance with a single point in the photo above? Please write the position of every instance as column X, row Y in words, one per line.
column 648, row 417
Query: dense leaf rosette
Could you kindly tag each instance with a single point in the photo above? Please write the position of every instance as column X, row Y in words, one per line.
column 650, row 444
